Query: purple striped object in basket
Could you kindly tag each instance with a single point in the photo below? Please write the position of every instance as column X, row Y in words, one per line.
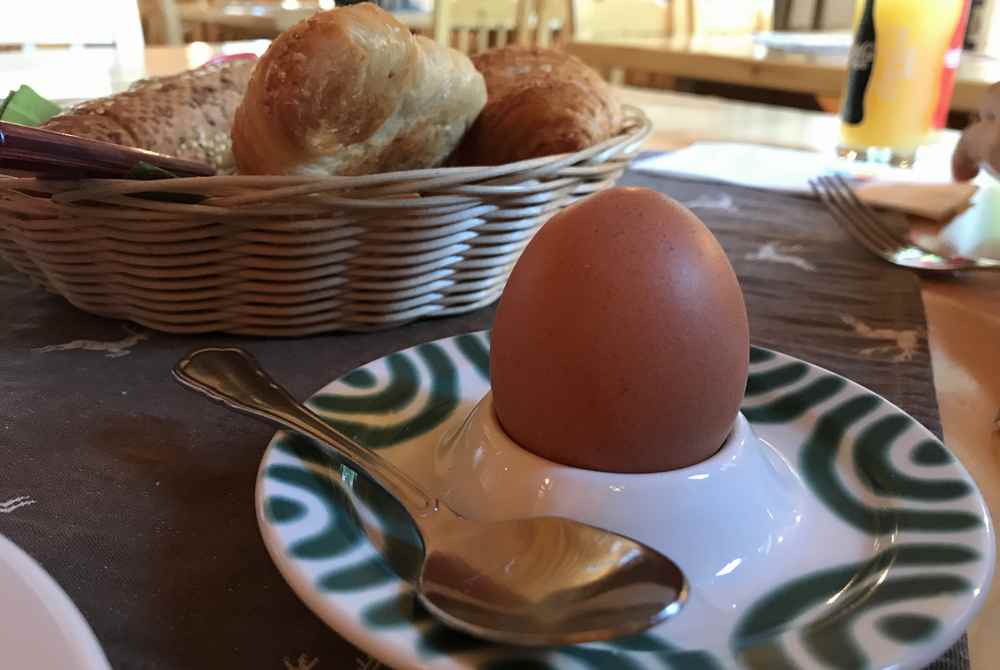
column 27, row 151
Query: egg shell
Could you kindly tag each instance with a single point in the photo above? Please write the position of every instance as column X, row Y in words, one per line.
column 621, row 340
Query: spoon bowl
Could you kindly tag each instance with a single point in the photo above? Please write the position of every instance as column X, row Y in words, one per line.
column 531, row 581
column 546, row 581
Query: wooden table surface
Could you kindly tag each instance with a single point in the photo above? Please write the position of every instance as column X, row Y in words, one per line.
column 741, row 60
column 963, row 314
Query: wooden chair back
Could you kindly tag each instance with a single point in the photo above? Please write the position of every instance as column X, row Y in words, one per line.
column 550, row 23
column 724, row 17
column 603, row 19
column 595, row 19
column 656, row 18
column 161, row 22
column 638, row 19
column 472, row 26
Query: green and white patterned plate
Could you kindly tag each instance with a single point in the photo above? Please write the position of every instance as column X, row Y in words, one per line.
column 901, row 555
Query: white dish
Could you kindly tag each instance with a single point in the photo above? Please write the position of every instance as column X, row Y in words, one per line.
column 39, row 625
column 724, row 521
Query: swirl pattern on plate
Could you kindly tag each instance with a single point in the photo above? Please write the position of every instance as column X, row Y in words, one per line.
column 906, row 493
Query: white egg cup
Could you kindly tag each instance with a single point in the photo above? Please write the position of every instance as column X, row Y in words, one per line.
column 724, row 520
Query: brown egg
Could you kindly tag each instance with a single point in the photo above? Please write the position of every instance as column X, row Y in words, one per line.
column 621, row 340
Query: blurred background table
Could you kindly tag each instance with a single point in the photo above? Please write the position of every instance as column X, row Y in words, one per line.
column 963, row 314
column 206, row 20
column 746, row 60
column 745, row 49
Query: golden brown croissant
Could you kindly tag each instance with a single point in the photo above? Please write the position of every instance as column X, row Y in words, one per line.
column 541, row 102
column 350, row 91
column 187, row 115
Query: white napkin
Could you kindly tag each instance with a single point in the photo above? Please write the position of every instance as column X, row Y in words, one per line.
column 774, row 168
column 741, row 164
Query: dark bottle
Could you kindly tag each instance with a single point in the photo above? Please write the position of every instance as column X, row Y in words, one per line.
column 860, row 64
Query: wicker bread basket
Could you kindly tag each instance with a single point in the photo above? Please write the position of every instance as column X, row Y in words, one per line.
column 291, row 256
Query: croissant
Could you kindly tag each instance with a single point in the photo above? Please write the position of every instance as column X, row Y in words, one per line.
column 350, row 91
column 541, row 102
column 186, row 115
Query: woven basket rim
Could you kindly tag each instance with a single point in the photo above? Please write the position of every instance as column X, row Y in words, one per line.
column 636, row 128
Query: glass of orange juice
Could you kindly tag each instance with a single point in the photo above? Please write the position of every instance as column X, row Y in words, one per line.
column 900, row 74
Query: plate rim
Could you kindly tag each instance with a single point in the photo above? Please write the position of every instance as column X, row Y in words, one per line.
column 64, row 612
column 348, row 629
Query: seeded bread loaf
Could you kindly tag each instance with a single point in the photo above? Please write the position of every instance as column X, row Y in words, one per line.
column 188, row 115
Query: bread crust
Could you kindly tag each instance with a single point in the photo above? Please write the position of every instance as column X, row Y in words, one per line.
column 350, row 91
column 541, row 102
column 186, row 115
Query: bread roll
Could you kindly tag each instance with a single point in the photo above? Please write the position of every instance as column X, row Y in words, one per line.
column 350, row 91
column 187, row 115
column 541, row 102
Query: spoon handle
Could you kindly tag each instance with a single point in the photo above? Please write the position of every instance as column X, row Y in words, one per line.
column 232, row 376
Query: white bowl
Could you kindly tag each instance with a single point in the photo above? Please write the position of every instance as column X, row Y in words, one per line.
column 724, row 521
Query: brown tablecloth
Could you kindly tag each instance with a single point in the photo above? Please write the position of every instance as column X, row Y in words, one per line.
column 136, row 495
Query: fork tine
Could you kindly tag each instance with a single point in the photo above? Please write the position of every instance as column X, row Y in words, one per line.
column 844, row 217
column 847, row 211
column 867, row 214
column 820, row 188
column 871, row 217
column 883, row 245
column 852, row 207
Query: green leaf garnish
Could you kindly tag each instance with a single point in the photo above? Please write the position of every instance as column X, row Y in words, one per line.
column 26, row 107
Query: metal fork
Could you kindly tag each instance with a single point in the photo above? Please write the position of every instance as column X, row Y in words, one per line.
column 863, row 224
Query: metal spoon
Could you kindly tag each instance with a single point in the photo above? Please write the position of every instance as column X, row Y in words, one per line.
column 535, row 581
